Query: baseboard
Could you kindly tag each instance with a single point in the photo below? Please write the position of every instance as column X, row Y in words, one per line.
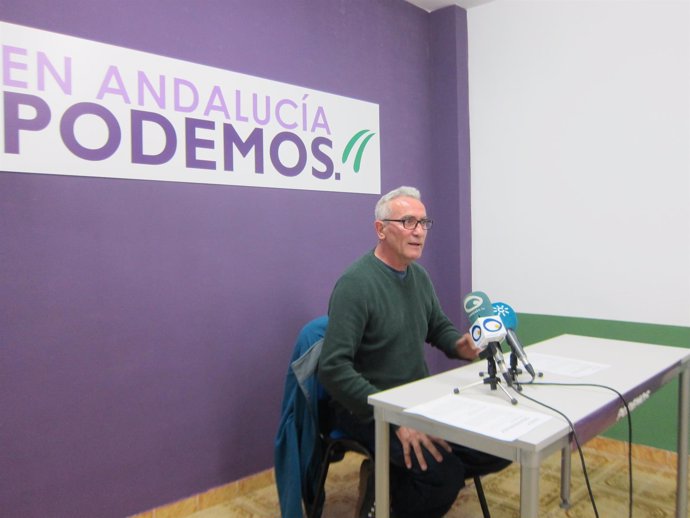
column 212, row 497
column 223, row 494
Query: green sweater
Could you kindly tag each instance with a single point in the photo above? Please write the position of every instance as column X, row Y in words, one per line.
column 378, row 324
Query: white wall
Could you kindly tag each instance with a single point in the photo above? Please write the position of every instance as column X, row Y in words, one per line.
column 580, row 142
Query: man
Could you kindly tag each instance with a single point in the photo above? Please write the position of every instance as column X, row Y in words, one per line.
column 381, row 312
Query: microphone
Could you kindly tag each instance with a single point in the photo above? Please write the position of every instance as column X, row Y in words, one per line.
column 509, row 318
column 487, row 330
column 477, row 304
column 485, row 326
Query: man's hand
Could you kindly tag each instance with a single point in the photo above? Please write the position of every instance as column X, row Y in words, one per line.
column 412, row 440
column 465, row 348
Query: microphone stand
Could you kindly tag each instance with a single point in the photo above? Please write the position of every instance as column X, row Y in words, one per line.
column 515, row 371
column 492, row 380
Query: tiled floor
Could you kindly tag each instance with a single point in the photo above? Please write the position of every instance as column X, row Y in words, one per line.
column 606, row 461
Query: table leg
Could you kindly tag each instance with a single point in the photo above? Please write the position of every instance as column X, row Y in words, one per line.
column 683, row 412
column 382, row 459
column 529, row 488
column 565, row 477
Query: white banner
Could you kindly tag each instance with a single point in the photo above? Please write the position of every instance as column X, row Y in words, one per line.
column 77, row 107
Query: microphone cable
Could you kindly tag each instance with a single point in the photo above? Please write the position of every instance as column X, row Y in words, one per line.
column 577, row 442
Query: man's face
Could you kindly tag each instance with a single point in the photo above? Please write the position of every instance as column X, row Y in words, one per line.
column 400, row 245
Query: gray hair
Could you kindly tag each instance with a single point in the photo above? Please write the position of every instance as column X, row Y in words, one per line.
column 383, row 210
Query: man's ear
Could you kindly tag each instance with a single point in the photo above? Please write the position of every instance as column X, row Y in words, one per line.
column 378, row 225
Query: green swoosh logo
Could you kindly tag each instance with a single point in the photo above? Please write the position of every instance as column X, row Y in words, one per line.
column 360, row 150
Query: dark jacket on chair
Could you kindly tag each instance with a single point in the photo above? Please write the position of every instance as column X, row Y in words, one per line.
column 297, row 448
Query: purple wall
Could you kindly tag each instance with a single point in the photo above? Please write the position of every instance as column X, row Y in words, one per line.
column 145, row 327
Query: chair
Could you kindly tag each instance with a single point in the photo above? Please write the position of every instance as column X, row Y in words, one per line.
column 481, row 497
column 306, row 444
column 299, row 444
column 334, row 444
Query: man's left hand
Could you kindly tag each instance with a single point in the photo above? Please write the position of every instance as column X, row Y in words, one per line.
column 465, row 348
column 413, row 441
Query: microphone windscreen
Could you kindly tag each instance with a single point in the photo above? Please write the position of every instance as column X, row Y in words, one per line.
column 476, row 305
column 507, row 314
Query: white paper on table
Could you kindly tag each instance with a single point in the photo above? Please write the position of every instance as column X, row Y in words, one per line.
column 498, row 421
column 565, row 366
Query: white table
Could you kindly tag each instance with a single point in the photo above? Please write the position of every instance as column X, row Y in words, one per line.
column 635, row 370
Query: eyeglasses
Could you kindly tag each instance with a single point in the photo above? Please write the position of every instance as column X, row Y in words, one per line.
column 411, row 223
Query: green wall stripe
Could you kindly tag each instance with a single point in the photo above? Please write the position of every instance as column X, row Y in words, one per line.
column 656, row 422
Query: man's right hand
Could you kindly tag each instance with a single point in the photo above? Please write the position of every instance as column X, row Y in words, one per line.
column 412, row 440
